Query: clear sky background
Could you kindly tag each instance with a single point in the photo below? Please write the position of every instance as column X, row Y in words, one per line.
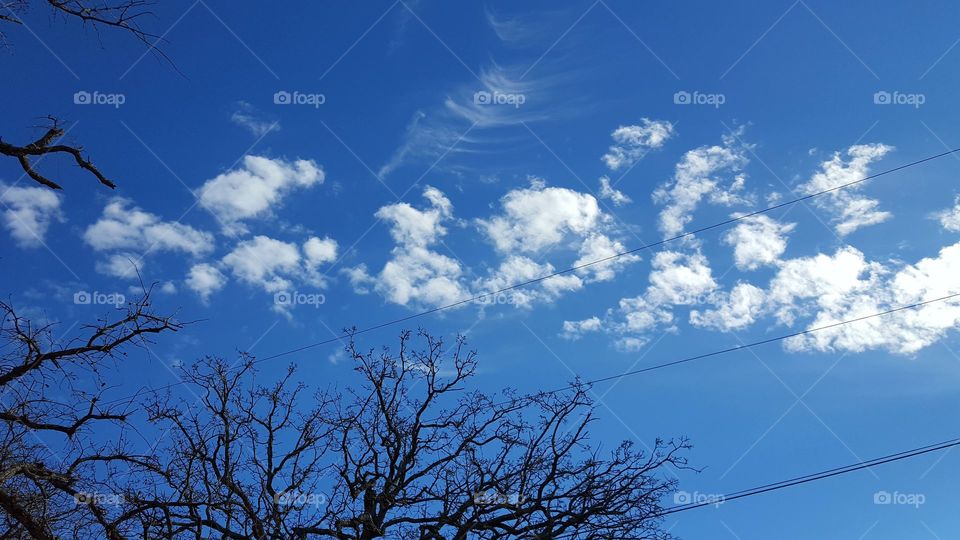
column 367, row 161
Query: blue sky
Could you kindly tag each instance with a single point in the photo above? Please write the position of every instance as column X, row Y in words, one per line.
column 371, row 161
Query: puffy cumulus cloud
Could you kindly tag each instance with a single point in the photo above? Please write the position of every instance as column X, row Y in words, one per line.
column 520, row 269
column 610, row 193
column 851, row 210
column 28, row 213
column 411, row 226
column 264, row 262
column 758, row 241
column 679, row 278
column 415, row 274
column 641, row 315
column 700, row 174
column 739, row 309
column 826, row 280
column 538, row 217
column 255, row 189
column 633, row 142
column 574, row 330
column 126, row 227
column 320, row 250
column 205, row 279
column 950, row 219
column 903, row 332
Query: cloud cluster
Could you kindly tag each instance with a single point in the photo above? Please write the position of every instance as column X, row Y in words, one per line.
column 128, row 235
column 265, row 263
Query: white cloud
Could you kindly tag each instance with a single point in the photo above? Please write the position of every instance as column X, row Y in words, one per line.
column 740, row 308
column 539, row 217
column 903, row 332
column 255, row 189
column 758, row 241
column 519, row 269
column 264, row 262
column 574, row 330
column 319, row 251
column 205, row 279
column 596, row 247
column 698, row 175
column 609, row 192
column 950, row 219
column 850, row 209
column 122, row 265
column 126, row 227
column 633, row 142
column 415, row 274
column 247, row 116
column 680, row 278
column 28, row 213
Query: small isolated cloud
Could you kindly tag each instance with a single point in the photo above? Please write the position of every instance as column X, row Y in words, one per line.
column 205, row 279
column 574, row 330
column 850, row 209
column 633, row 142
column 28, row 213
column 247, row 116
column 608, row 192
column 950, row 218
column 128, row 235
column 255, row 189
column 520, row 269
column 758, row 241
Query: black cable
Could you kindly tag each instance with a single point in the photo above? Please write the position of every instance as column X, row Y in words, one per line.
column 906, row 454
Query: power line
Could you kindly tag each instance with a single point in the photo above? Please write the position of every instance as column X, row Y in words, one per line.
column 665, row 364
column 906, row 454
column 737, row 348
column 607, row 259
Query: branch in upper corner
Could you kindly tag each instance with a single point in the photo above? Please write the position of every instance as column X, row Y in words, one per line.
column 46, row 145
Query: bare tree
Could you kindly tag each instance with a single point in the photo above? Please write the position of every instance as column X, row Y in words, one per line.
column 120, row 14
column 407, row 453
column 59, row 441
